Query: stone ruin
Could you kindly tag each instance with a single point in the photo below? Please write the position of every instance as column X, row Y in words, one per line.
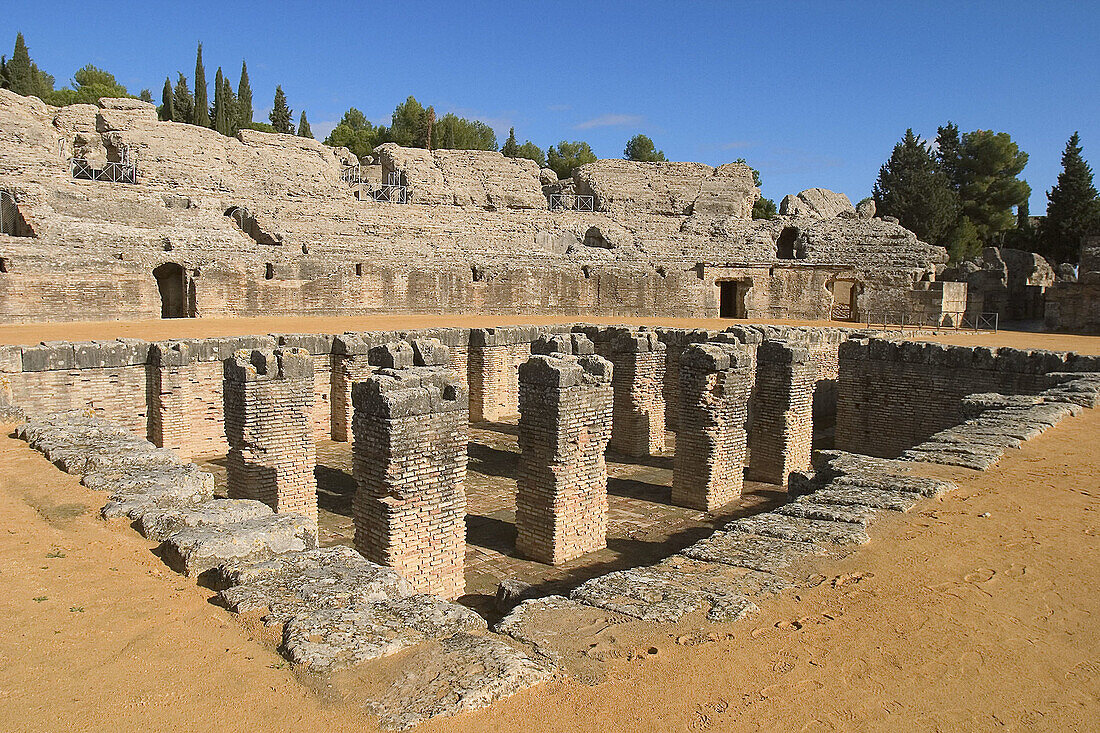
column 263, row 223
column 748, row 402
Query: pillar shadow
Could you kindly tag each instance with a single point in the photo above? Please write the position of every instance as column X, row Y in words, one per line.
column 643, row 490
column 503, row 428
column 491, row 533
column 490, row 461
column 662, row 460
column 335, row 490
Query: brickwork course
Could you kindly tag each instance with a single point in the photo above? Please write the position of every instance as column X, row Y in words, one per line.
column 411, row 426
column 781, row 434
column 715, row 385
column 268, row 396
column 565, row 406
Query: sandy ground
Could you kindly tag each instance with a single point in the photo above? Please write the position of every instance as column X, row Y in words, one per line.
column 947, row 620
column 33, row 333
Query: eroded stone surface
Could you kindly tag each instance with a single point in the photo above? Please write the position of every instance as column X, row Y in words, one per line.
column 809, row 509
column 330, row 638
column 766, row 554
column 300, row 582
column 195, row 550
column 868, row 496
column 454, row 675
column 646, row 593
column 798, row 529
column 159, row 524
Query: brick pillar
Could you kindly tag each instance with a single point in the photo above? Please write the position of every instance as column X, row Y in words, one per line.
column 781, row 434
column 411, row 426
column 168, row 397
column 638, row 361
column 565, row 423
column 715, row 386
column 268, row 396
column 349, row 365
column 675, row 341
column 493, row 363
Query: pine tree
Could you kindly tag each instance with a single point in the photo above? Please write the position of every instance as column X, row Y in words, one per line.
column 244, row 98
column 19, row 72
column 167, row 102
column 510, row 149
column 281, row 115
column 303, row 126
column 642, row 148
column 1073, row 209
column 5, row 82
column 221, row 115
column 913, row 187
column 202, row 102
column 449, row 137
column 184, row 107
column 949, row 152
column 983, row 167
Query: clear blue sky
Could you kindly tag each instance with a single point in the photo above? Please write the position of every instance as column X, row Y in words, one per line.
column 811, row 93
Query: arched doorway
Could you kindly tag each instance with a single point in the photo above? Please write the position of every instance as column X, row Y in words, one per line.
column 172, row 284
column 845, row 299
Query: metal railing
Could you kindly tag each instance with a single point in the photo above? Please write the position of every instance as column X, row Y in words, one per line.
column 122, row 171
column 842, row 312
column 935, row 321
column 571, row 202
column 390, row 193
column 352, row 175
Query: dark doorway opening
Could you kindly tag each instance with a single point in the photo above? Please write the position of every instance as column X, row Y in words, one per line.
column 172, row 284
column 786, row 247
column 731, row 298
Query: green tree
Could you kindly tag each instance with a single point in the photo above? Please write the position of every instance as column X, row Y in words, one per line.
column 201, row 112
column 5, row 83
column 89, row 85
column 963, row 241
column 281, row 115
column 641, row 148
column 949, row 153
column 532, row 152
column 244, row 98
column 429, row 123
column 569, row 155
column 914, row 188
column 145, row 96
column 231, row 103
column 167, row 109
column 407, row 124
column 449, row 141
column 303, row 126
column 458, row 133
column 184, row 107
column 764, row 208
column 985, row 171
column 510, row 149
column 222, row 117
column 356, row 134
column 1073, row 209
column 23, row 76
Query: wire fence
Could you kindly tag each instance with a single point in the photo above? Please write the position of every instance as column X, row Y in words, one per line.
column 124, row 170
column 571, row 202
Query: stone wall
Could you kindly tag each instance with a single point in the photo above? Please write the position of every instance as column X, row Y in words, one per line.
column 781, row 434
column 893, row 395
column 638, row 362
column 565, row 423
column 1075, row 306
column 268, row 399
column 495, row 355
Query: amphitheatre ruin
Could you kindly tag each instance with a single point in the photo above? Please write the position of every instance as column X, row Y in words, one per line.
column 515, row 436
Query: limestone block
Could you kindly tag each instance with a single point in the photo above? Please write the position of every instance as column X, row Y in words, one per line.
column 197, row 550
column 159, row 524
column 816, row 203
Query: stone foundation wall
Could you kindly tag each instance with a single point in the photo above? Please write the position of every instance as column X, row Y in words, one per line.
column 269, row 397
column 565, row 423
column 411, row 429
column 893, row 395
column 715, row 385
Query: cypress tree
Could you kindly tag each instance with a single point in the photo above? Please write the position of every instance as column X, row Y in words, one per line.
column 244, row 98
column 184, row 106
column 913, row 187
column 303, row 126
column 1073, row 209
column 221, row 115
column 167, row 102
column 229, row 100
column 5, row 82
column 202, row 102
column 511, row 147
column 281, row 115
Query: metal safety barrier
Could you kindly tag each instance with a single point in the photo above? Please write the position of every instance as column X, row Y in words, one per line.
column 571, row 202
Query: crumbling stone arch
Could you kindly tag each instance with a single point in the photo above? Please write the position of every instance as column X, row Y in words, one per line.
column 246, row 222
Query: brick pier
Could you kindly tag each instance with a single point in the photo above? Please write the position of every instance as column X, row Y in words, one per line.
column 411, row 426
column 268, row 396
column 638, row 359
column 781, row 434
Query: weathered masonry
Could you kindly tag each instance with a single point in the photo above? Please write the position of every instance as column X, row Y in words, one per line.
column 715, row 386
column 564, row 426
column 268, row 396
column 411, row 426
column 638, row 359
column 782, row 426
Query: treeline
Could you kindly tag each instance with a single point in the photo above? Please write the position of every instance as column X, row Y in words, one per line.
column 230, row 110
column 964, row 192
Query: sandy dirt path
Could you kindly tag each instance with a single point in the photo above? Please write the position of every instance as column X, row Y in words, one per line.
column 947, row 620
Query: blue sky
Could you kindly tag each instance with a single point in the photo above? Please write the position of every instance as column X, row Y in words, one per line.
column 810, row 93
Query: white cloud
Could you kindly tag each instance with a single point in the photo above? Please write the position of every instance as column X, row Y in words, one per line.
column 610, row 120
